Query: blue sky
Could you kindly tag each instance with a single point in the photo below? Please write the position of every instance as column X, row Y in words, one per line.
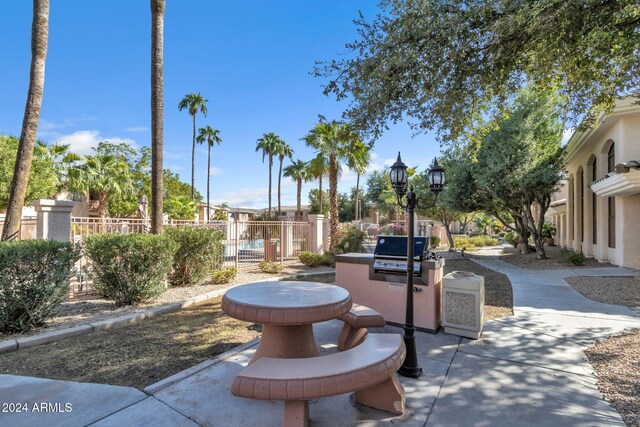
column 250, row 59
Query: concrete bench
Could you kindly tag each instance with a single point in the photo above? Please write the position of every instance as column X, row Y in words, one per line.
column 356, row 322
column 368, row 369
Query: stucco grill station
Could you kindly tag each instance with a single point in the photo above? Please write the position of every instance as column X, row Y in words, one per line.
column 378, row 281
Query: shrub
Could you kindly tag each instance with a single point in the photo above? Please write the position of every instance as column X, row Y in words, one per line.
column 435, row 241
column 476, row 241
column 313, row 260
column 271, row 267
column 34, row 281
column 548, row 230
column 224, row 275
column 512, row 238
column 328, row 259
column 130, row 269
column 351, row 241
column 199, row 250
column 572, row 257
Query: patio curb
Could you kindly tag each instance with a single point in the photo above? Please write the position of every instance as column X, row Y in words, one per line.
column 15, row 344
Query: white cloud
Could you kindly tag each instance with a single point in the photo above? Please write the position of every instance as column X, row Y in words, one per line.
column 137, row 129
column 82, row 141
column 566, row 135
column 216, row 171
column 47, row 128
column 175, row 168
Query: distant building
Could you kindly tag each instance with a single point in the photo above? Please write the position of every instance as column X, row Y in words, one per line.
column 289, row 212
column 597, row 209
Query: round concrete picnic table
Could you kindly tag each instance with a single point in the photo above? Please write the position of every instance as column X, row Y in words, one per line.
column 287, row 312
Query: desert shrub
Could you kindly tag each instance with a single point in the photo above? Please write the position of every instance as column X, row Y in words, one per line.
column 548, row 230
column 475, row 241
column 271, row 267
column 435, row 241
column 130, row 269
column 313, row 260
column 351, row 240
column 221, row 276
column 34, row 281
column 512, row 238
column 199, row 250
column 572, row 257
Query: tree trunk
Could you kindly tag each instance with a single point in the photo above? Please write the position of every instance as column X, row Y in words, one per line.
column 208, row 178
column 357, row 196
column 193, row 159
column 103, row 204
column 279, row 180
column 523, row 246
column 333, row 202
column 299, row 200
column 157, row 113
column 22, row 168
column 270, row 167
column 320, row 189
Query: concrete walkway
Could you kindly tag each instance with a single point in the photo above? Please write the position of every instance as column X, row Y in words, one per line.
column 527, row 370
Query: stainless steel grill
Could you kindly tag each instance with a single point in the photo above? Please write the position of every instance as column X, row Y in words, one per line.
column 390, row 255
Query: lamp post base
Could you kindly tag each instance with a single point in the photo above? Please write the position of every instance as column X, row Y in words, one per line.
column 410, row 372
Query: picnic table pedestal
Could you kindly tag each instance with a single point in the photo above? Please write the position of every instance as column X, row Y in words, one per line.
column 287, row 311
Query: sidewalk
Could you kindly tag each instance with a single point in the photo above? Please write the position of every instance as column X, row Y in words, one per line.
column 526, row 370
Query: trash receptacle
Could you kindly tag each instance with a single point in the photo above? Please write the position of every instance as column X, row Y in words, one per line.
column 271, row 249
column 463, row 304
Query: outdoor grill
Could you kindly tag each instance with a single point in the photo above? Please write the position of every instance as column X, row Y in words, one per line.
column 390, row 255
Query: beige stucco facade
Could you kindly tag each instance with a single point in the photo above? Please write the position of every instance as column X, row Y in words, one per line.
column 597, row 211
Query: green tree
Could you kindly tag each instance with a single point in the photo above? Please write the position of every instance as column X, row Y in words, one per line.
column 157, row 113
column 318, row 168
column 24, row 156
column 212, row 137
column 105, row 174
column 332, row 141
column 358, row 158
column 379, row 192
column 282, row 150
column 268, row 145
column 484, row 223
column 316, row 203
column 180, row 207
column 193, row 102
column 60, row 159
column 44, row 180
column 298, row 171
column 446, row 63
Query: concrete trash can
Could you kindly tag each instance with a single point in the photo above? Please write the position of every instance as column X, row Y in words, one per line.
column 463, row 304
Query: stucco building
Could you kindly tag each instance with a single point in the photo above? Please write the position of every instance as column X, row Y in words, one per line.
column 598, row 209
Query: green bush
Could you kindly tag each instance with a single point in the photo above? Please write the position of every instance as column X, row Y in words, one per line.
column 34, row 281
column 435, row 241
column 313, row 260
column 224, row 275
column 351, row 241
column 199, row 250
column 476, row 241
column 512, row 238
column 270, row 267
column 130, row 269
column 572, row 257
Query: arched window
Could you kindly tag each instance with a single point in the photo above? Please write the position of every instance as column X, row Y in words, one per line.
column 594, row 203
column 580, row 199
column 611, row 202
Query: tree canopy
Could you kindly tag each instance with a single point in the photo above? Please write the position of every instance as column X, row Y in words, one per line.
column 445, row 63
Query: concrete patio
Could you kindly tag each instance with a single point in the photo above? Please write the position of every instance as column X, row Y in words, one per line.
column 527, row 370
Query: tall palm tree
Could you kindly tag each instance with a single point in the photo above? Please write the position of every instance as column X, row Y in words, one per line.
column 332, row 140
column 282, row 150
column 22, row 168
column 193, row 102
column 358, row 158
column 105, row 174
column 267, row 145
column 60, row 159
column 157, row 114
column 298, row 171
column 318, row 168
column 212, row 137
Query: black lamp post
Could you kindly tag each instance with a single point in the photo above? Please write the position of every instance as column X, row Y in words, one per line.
column 399, row 181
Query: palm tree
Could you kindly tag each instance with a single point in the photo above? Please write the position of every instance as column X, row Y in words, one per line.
column 267, row 144
column 282, row 150
column 193, row 102
column 22, row 168
column 157, row 114
column 332, row 140
column 181, row 207
column 105, row 174
column 358, row 158
column 318, row 168
column 212, row 137
column 298, row 171
column 61, row 160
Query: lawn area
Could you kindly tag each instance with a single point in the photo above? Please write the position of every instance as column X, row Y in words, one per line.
column 139, row 354
column 497, row 287
column 554, row 260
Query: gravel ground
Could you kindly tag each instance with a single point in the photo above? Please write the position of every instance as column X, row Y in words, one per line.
column 618, row 290
column 94, row 309
column 616, row 360
column 553, row 261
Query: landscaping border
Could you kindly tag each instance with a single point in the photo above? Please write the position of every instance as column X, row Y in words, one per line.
column 14, row 344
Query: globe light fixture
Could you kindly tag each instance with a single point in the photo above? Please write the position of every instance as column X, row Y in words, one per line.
column 399, row 181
